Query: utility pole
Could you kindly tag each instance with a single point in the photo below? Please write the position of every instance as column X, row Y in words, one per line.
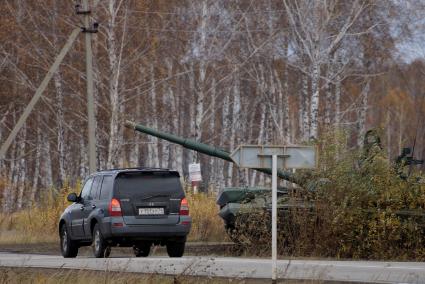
column 39, row 92
column 89, row 30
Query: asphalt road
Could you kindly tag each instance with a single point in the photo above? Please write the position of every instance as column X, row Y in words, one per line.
column 357, row 271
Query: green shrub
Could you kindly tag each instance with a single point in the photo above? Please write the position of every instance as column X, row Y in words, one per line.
column 363, row 209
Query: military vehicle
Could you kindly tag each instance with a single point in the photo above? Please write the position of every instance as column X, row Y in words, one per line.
column 237, row 201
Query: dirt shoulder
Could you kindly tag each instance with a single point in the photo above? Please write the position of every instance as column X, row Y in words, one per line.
column 43, row 275
column 52, row 248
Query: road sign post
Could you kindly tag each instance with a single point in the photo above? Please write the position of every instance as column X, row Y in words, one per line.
column 282, row 157
column 274, row 218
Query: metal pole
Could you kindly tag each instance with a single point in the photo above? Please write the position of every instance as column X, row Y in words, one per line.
column 90, row 97
column 39, row 92
column 274, row 218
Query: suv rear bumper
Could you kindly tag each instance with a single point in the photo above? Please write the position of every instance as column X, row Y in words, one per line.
column 115, row 228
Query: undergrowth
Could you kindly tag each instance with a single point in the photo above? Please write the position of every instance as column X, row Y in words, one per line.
column 355, row 205
column 39, row 223
column 65, row 276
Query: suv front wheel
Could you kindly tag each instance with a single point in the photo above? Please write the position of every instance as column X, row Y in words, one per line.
column 175, row 248
column 69, row 248
column 100, row 246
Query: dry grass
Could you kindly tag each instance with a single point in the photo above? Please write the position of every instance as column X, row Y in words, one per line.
column 38, row 224
column 64, row 276
column 207, row 225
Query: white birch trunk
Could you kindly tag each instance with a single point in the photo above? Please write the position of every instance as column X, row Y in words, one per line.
column 400, row 126
column 8, row 198
column 260, row 138
column 280, row 107
column 199, row 102
column 22, row 169
column 47, row 168
column 338, row 101
column 60, row 113
column 83, row 158
column 328, row 95
column 304, row 105
column 213, row 170
column 165, row 145
column 200, row 96
column 235, row 125
column 226, row 129
column 135, row 149
column 14, row 175
column 175, row 155
column 283, row 109
column 179, row 124
column 286, row 120
column 192, row 110
column 60, row 120
column 362, row 116
column 2, row 162
column 153, row 153
column 36, row 172
column 114, row 69
column 388, row 128
column 274, row 108
column 314, row 103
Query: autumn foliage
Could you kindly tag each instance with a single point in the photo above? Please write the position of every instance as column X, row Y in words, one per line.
column 359, row 209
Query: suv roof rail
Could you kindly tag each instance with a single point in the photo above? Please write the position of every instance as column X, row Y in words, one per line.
column 135, row 168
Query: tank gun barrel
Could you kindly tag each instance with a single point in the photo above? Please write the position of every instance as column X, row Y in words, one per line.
column 201, row 148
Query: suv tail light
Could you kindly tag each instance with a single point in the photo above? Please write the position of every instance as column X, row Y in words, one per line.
column 114, row 207
column 184, row 207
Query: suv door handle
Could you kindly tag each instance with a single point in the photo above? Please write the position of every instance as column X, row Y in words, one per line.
column 82, row 208
column 93, row 206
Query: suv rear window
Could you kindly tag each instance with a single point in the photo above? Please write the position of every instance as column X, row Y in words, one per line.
column 148, row 184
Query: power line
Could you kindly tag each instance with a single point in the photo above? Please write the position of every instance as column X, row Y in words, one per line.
column 208, row 32
column 195, row 12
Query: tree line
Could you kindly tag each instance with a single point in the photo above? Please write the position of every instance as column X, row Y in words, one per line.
column 220, row 72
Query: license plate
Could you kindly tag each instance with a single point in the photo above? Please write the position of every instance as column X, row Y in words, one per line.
column 151, row 211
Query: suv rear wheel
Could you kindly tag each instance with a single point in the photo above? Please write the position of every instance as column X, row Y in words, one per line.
column 100, row 247
column 69, row 248
column 142, row 249
column 175, row 248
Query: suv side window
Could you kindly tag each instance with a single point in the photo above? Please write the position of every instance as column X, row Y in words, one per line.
column 107, row 185
column 94, row 193
column 85, row 193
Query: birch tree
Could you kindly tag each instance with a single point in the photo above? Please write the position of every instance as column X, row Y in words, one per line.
column 318, row 29
column 220, row 72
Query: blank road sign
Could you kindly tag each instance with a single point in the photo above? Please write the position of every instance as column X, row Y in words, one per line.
column 290, row 157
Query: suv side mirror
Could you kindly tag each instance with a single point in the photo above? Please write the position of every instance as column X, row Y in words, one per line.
column 72, row 197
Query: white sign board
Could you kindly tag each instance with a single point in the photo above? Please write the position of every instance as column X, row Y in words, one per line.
column 290, row 157
column 195, row 172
